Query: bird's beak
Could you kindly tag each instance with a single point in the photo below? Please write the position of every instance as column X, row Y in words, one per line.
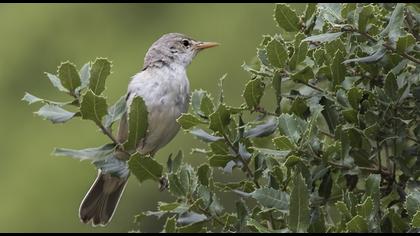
column 204, row 45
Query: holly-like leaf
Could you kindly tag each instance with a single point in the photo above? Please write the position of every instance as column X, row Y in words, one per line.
column 201, row 103
column 220, row 160
column 187, row 121
column 55, row 81
column 405, row 42
column 115, row 112
column 100, row 70
column 338, row 69
column 263, row 130
column 144, row 168
column 270, row 197
column 84, row 75
column 137, row 123
column 355, row 96
column 93, row 154
column 327, row 37
column 175, row 186
column 286, row 18
column 415, row 221
column 299, row 205
column 34, row 99
column 277, row 53
column 393, row 29
column 412, row 203
column 69, row 76
column 372, row 58
column 291, row 126
column 204, row 136
column 55, row 113
column 253, row 92
column 220, row 119
column 93, row 107
column 303, row 76
column 176, row 164
column 357, row 225
column 391, row 86
column 283, row 143
column 203, row 174
column 364, row 16
column 170, row 225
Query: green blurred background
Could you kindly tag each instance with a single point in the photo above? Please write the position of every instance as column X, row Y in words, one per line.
column 42, row 193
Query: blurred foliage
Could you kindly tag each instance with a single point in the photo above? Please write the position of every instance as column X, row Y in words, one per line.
column 46, row 191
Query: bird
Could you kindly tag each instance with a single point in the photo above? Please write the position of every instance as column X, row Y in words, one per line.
column 164, row 86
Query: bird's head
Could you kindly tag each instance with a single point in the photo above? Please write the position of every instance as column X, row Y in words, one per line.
column 175, row 48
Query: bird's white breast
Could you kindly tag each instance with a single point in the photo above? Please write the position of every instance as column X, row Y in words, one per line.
column 165, row 91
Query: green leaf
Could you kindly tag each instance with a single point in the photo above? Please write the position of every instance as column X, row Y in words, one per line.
column 93, row 154
column 187, row 121
column 31, row 98
column 366, row 209
column 372, row 58
column 220, row 160
column 269, row 197
column 170, row 225
column 364, row 16
column 84, row 75
column 55, row 114
column 93, row 107
column 309, row 12
column 270, row 152
column 412, row 203
column 69, row 76
column 204, row 173
column 204, row 136
column 277, row 79
column 187, row 178
column 55, row 81
column 263, row 130
column 338, row 69
column 101, row 68
column 415, row 221
column 301, row 49
column 283, row 143
column 176, row 164
column 175, row 186
column 286, row 18
column 357, row 225
column 291, row 126
column 242, row 213
column 137, row 123
column 355, row 96
column 405, row 42
column 327, row 37
column 255, row 224
column 193, row 228
column 330, row 11
column 299, row 205
column 277, row 53
column 168, row 207
column 144, row 168
column 201, row 103
column 219, row 119
column 253, row 92
column 373, row 189
column 391, row 86
column 395, row 24
column 303, row 76
column 115, row 112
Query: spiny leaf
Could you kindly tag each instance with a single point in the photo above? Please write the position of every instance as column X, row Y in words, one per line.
column 93, row 107
column 299, row 205
column 69, row 76
column 144, row 168
column 283, row 143
column 176, row 164
column 286, row 18
column 415, row 221
column 55, row 114
column 170, row 225
column 55, row 81
column 357, row 225
column 364, row 16
column 101, row 68
column 303, row 76
column 187, row 121
column 137, row 123
column 93, row 154
column 372, row 58
column 115, row 112
column 204, row 173
column 277, row 54
column 405, row 42
column 220, row 160
column 327, row 37
column 203, row 135
column 219, row 119
column 253, row 92
column 270, row 197
column 263, row 130
column 291, row 126
column 84, row 75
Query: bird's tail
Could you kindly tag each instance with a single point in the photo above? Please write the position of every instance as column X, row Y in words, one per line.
column 102, row 199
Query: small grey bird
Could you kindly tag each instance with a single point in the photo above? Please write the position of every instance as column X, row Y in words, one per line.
column 164, row 87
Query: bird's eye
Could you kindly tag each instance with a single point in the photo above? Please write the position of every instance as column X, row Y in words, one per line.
column 186, row 43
